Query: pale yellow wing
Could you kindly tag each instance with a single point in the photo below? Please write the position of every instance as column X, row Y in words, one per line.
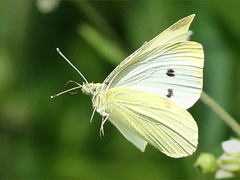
column 152, row 119
column 175, row 33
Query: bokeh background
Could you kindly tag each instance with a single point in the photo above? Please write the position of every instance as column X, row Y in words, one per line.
column 53, row 138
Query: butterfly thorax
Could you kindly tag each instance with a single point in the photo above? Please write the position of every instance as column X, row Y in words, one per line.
column 98, row 96
column 91, row 88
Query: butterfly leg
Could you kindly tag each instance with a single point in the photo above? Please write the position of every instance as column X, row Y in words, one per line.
column 104, row 119
column 94, row 110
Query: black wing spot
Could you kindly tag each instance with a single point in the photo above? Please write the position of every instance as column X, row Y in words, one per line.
column 170, row 72
column 170, row 93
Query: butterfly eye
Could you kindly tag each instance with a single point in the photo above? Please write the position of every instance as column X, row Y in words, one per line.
column 170, row 73
column 170, row 93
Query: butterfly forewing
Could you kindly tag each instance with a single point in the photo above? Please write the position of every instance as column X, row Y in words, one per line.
column 149, row 72
column 148, row 69
column 176, row 32
column 158, row 121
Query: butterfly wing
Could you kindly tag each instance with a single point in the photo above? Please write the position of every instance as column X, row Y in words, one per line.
column 177, row 32
column 128, row 134
column 168, row 66
column 155, row 120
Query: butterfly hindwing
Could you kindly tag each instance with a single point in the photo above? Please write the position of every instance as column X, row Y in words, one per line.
column 158, row 121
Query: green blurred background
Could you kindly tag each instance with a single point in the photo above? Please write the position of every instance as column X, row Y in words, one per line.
column 53, row 138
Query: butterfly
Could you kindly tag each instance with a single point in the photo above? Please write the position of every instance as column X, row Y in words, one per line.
column 146, row 96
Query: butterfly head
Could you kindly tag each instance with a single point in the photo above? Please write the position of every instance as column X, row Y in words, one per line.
column 91, row 88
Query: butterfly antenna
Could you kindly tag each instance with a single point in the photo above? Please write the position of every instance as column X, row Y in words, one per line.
column 64, row 57
column 77, row 87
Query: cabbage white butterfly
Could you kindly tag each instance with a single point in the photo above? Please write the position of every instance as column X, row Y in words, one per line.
column 146, row 95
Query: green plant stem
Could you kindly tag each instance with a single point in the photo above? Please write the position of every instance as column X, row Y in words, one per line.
column 221, row 112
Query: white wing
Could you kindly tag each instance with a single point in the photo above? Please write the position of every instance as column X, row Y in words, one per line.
column 164, row 67
column 177, row 32
column 150, row 118
column 175, row 67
